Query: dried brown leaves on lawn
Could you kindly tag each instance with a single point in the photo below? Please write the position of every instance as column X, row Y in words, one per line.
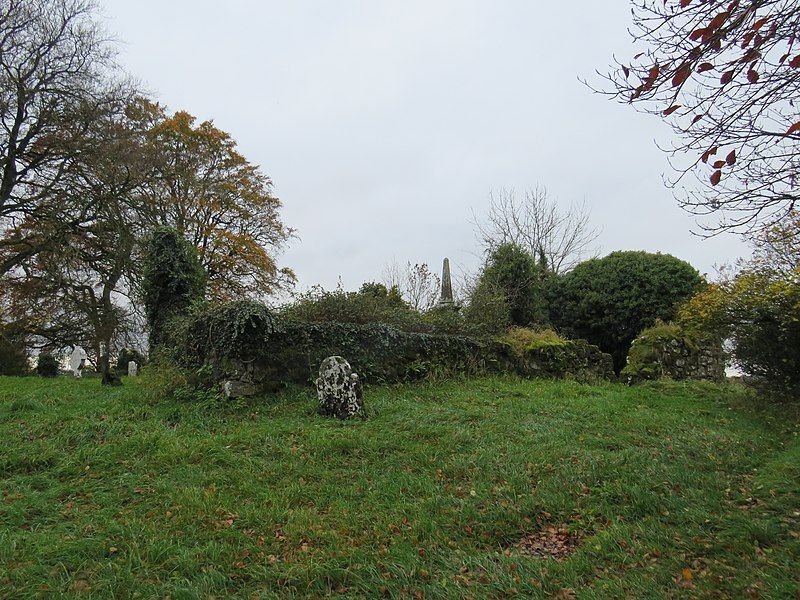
column 551, row 541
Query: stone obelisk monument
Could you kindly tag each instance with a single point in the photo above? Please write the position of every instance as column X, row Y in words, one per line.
column 446, row 299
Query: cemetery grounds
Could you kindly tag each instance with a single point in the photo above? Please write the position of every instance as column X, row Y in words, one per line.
column 482, row 488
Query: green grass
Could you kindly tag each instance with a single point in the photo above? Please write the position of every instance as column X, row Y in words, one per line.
column 107, row 493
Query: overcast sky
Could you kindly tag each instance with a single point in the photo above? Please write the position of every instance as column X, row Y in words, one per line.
column 384, row 124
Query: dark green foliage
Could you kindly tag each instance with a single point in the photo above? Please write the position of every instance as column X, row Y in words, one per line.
column 374, row 303
column 127, row 355
column 764, row 324
column 446, row 319
column 174, row 280
column 609, row 301
column 292, row 352
column 111, row 377
column 389, row 296
column 233, row 332
column 13, row 358
column 47, row 366
column 242, row 340
column 487, row 313
column 513, row 275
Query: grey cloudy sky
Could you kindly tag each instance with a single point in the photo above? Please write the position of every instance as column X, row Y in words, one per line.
column 384, row 123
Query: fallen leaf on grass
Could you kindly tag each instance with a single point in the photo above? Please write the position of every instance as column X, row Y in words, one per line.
column 553, row 542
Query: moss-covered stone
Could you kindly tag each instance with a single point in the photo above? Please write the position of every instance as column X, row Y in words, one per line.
column 669, row 351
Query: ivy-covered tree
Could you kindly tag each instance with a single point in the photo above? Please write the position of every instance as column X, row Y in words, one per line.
column 516, row 281
column 609, row 301
column 174, row 281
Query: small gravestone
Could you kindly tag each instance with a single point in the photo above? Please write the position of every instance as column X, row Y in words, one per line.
column 339, row 389
column 77, row 361
column 133, row 368
column 238, row 389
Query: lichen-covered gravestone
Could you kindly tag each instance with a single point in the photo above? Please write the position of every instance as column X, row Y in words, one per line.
column 339, row 389
column 133, row 368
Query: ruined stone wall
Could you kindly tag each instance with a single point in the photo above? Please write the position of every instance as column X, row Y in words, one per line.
column 666, row 351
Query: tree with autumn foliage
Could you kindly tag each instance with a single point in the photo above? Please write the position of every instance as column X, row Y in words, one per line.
column 726, row 76
column 214, row 197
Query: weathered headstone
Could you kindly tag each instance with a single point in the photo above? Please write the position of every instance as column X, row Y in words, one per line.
column 446, row 299
column 339, row 389
column 238, row 389
column 77, row 361
column 133, row 368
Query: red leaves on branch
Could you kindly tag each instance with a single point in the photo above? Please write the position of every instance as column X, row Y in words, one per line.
column 719, row 20
column 685, row 3
column 697, row 118
column 698, row 33
column 752, row 76
column 706, row 66
column 682, row 75
column 718, row 164
column 652, row 76
column 671, row 109
column 727, row 77
column 793, row 129
column 731, row 158
column 716, row 177
column 708, row 153
column 795, row 62
column 759, row 24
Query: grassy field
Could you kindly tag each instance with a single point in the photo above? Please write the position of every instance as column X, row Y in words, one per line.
column 488, row 488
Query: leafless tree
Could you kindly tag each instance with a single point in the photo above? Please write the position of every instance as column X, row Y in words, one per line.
column 557, row 237
column 777, row 248
column 418, row 285
column 726, row 76
column 54, row 58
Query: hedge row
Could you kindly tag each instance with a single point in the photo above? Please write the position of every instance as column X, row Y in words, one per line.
column 242, row 341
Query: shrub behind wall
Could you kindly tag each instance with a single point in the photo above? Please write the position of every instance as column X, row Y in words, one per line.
column 243, row 341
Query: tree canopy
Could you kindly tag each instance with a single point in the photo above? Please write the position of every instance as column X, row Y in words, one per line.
column 609, row 301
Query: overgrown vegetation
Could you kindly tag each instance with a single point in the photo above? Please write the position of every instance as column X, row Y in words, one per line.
column 174, row 281
column 671, row 490
column 13, row 358
column 609, row 301
column 47, row 365
column 509, row 290
column 760, row 313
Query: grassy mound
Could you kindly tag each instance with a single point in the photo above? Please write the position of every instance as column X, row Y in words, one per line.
column 484, row 488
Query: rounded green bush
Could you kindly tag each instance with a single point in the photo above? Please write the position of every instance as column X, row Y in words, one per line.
column 609, row 301
column 47, row 366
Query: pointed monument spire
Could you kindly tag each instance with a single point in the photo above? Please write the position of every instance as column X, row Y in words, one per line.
column 447, row 285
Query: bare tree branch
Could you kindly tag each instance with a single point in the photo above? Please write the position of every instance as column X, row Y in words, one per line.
column 558, row 238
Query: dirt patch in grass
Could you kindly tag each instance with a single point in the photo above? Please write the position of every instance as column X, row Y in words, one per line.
column 552, row 541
